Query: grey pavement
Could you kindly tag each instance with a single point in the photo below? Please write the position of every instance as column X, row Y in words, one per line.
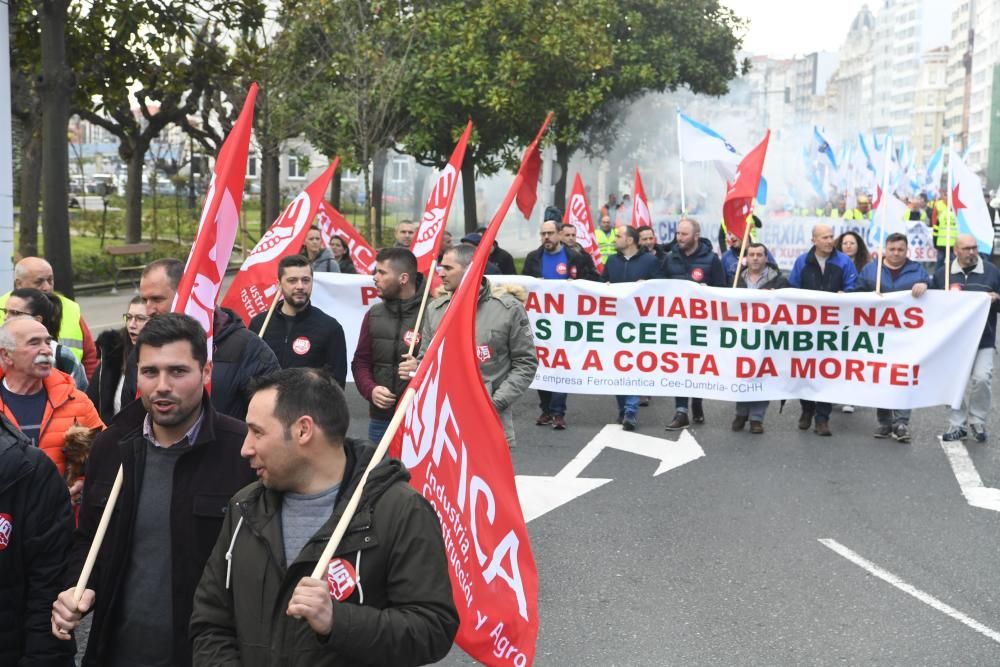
column 718, row 561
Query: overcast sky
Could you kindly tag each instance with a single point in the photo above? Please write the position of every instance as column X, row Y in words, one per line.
column 782, row 28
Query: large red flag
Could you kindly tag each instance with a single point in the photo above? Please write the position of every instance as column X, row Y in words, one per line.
column 531, row 165
column 578, row 215
column 331, row 223
column 452, row 441
column 640, row 205
column 220, row 220
column 256, row 284
column 740, row 194
column 427, row 241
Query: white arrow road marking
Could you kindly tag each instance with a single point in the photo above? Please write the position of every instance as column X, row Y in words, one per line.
column 926, row 598
column 540, row 495
column 975, row 492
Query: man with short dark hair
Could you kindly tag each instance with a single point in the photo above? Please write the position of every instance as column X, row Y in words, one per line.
column 631, row 263
column 647, row 239
column 237, row 354
column 499, row 257
column 568, row 236
column 181, row 463
column 300, row 334
column 387, row 330
column 553, row 261
column 899, row 273
column 386, row 598
column 405, row 231
column 970, row 272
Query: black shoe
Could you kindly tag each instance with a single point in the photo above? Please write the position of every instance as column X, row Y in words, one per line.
column 679, row 423
column 739, row 421
column 805, row 421
column 697, row 411
column 628, row 423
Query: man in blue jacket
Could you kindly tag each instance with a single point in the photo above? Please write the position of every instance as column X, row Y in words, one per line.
column 692, row 258
column 970, row 272
column 823, row 269
column 898, row 274
column 631, row 263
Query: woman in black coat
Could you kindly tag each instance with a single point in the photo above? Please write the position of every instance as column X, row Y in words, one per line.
column 113, row 348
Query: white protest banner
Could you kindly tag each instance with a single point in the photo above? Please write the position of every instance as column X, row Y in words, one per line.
column 677, row 338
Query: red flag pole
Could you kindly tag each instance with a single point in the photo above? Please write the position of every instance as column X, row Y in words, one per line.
column 743, row 252
column 423, row 305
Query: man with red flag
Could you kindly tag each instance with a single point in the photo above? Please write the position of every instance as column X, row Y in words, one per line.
column 505, row 346
column 496, row 586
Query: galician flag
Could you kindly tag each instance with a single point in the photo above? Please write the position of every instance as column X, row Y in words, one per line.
column 220, row 221
column 578, row 215
column 700, row 143
column 968, row 203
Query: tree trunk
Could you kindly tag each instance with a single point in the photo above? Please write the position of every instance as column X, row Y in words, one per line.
column 469, row 193
column 55, row 91
column 563, row 153
column 419, row 181
column 336, row 187
column 270, row 192
column 366, row 209
column 31, row 182
column 133, row 197
column 378, row 187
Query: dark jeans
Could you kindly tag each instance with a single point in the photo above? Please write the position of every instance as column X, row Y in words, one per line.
column 820, row 409
column 376, row 429
column 681, row 403
column 552, row 403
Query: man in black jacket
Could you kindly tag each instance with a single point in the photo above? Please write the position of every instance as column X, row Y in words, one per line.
column 386, row 598
column 553, row 260
column 387, row 331
column 691, row 258
column 36, row 526
column 181, row 462
column 238, row 356
column 502, row 259
column 300, row 334
column 568, row 234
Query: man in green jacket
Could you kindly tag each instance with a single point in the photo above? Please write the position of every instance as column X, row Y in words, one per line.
column 386, row 598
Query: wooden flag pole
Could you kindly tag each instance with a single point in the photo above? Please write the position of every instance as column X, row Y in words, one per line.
column 102, row 529
column 743, row 250
column 270, row 312
column 352, row 504
column 883, row 211
column 423, row 305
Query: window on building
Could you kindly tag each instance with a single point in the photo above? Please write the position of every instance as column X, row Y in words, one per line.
column 400, row 170
column 252, row 166
column 296, row 166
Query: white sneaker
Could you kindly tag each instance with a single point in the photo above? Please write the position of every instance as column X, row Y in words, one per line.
column 847, row 409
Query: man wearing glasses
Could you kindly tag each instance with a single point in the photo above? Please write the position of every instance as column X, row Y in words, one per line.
column 73, row 332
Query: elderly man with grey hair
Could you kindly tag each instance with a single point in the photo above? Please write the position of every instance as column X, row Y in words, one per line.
column 39, row 400
column 74, row 333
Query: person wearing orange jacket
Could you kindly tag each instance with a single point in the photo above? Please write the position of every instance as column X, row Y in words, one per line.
column 39, row 400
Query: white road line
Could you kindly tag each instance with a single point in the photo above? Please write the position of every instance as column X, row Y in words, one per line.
column 926, row 598
column 975, row 492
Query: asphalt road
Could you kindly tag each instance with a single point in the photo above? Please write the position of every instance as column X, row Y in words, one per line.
column 718, row 561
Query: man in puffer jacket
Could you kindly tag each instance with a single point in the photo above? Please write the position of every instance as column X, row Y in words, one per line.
column 899, row 274
column 692, row 258
column 36, row 527
column 824, row 269
column 386, row 599
column 505, row 344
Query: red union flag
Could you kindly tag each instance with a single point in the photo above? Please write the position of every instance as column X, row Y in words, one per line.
column 640, row 205
column 427, row 241
column 740, row 194
column 453, row 443
column 531, row 165
column 578, row 215
column 255, row 285
column 220, row 219
column 331, row 223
